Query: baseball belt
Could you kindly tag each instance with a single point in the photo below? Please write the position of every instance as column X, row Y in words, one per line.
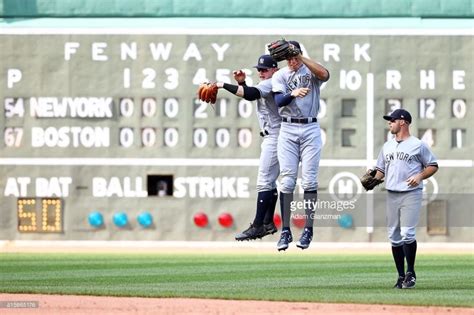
column 295, row 120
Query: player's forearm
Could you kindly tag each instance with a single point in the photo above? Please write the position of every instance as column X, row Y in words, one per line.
column 234, row 89
column 318, row 70
column 282, row 99
column 241, row 90
column 428, row 171
column 379, row 175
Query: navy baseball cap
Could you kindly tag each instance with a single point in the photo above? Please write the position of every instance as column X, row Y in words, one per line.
column 266, row 62
column 295, row 43
column 399, row 114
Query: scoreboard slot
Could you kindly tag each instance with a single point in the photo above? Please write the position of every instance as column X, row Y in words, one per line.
column 160, row 185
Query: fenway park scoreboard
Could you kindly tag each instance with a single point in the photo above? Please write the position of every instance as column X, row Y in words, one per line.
column 100, row 129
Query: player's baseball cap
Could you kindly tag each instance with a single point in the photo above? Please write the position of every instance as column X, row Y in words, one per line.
column 295, row 43
column 399, row 114
column 266, row 62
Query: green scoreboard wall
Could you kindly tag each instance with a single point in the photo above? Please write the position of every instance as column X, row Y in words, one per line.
column 106, row 121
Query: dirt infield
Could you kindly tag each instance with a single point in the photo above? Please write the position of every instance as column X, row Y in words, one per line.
column 72, row 304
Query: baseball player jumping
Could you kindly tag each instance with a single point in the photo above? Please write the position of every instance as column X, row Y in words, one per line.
column 269, row 121
column 404, row 161
column 297, row 92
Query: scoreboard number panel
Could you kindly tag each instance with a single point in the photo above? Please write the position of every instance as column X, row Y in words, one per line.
column 96, row 117
column 40, row 215
column 157, row 106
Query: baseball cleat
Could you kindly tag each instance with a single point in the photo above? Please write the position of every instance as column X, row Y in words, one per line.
column 398, row 285
column 269, row 228
column 253, row 232
column 410, row 281
column 305, row 239
column 285, row 239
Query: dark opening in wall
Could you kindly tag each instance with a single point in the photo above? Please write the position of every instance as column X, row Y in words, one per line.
column 160, row 185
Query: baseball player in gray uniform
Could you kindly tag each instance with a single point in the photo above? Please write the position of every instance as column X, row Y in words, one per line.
column 269, row 122
column 404, row 162
column 296, row 90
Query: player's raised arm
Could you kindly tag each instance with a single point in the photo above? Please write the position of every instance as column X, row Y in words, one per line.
column 318, row 70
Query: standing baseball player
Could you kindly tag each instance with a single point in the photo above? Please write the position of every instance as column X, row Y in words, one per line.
column 404, row 162
column 269, row 121
column 296, row 90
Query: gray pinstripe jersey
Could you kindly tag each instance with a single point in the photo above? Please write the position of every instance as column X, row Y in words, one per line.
column 267, row 110
column 285, row 81
column 401, row 160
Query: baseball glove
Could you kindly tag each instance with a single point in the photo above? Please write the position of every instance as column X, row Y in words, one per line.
column 207, row 92
column 369, row 181
column 281, row 50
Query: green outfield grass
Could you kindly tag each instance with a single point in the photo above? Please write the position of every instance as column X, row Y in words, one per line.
column 300, row 276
